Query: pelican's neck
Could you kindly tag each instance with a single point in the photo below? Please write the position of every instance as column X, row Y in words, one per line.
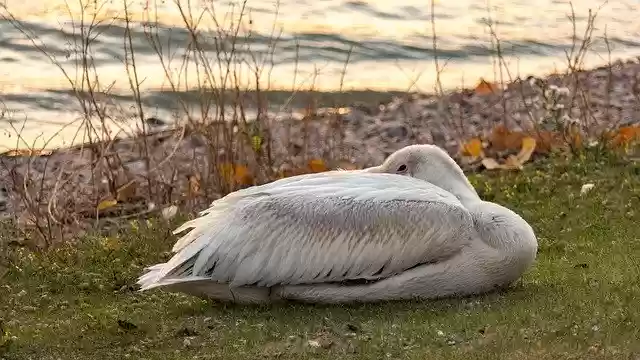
column 452, row 179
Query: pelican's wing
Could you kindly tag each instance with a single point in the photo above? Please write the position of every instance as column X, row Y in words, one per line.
column 332, row 226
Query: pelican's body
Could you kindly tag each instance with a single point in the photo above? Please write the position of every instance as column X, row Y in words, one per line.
column 413, row 227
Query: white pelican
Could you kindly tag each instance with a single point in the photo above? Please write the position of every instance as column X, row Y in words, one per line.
column 413, row 227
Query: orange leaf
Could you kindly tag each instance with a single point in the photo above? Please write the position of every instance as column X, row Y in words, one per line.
column 242, row 175
column 625, row 135
column 484, row 87
column 317, row 165
column 547, row 140
column 473, row 148
column 235, row 174
column 503, row 139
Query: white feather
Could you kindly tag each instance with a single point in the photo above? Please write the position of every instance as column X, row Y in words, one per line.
column 299, row 236
column 251, row 244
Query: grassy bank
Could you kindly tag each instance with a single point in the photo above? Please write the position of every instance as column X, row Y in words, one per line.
column 578, row 302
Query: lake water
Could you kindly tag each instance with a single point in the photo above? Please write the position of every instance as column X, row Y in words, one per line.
column 388, row 45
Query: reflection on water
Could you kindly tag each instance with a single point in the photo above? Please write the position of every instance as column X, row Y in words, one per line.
column 388, row 45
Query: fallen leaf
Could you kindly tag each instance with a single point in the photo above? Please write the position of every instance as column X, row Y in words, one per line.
column 573, row 135
column 317, row 165
column 473, row 148
column 586, row 188
column 126, row 192
column 512, row 163
column 484, row 87
column 242, row 175
column 235, row 174
column 286, row 170
column 491, row 164
column 194, row 185
column 28, row 152
column 169, row 212
column 502, row 139
column 528, row 147
column 625, row 135
column 547, row 140
column 105, row 204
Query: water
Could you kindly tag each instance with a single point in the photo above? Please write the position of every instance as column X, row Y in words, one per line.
column 388, row 45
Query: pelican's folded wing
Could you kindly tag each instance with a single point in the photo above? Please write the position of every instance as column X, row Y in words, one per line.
column 318, row 228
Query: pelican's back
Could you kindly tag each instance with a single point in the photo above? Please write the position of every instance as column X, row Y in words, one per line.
column 329, row 227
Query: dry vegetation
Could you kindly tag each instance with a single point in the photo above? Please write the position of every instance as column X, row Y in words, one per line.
column 228, row 140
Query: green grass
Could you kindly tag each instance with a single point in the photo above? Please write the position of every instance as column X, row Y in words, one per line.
column 580, row 300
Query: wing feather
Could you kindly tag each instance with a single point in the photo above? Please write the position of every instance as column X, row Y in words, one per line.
column 331, row 226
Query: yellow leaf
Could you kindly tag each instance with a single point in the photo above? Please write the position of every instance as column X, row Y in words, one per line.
column 317, row 165
column 105, row 204
column 528, row 147
column 473, row 148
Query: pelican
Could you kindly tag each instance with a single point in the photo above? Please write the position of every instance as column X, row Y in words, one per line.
column 412, row 228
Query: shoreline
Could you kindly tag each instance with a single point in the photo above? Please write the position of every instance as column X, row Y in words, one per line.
column 280, row 103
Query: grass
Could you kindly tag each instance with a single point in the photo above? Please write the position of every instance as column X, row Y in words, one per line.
column 578, row 302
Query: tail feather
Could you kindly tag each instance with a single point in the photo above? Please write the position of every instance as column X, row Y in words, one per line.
column 204, row 287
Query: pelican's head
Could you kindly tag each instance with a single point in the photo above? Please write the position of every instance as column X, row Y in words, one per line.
column 429, row 163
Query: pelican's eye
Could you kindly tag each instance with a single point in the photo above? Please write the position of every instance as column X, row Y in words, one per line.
column 402, row 168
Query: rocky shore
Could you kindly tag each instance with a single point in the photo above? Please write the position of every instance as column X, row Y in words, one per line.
column 177, row 166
